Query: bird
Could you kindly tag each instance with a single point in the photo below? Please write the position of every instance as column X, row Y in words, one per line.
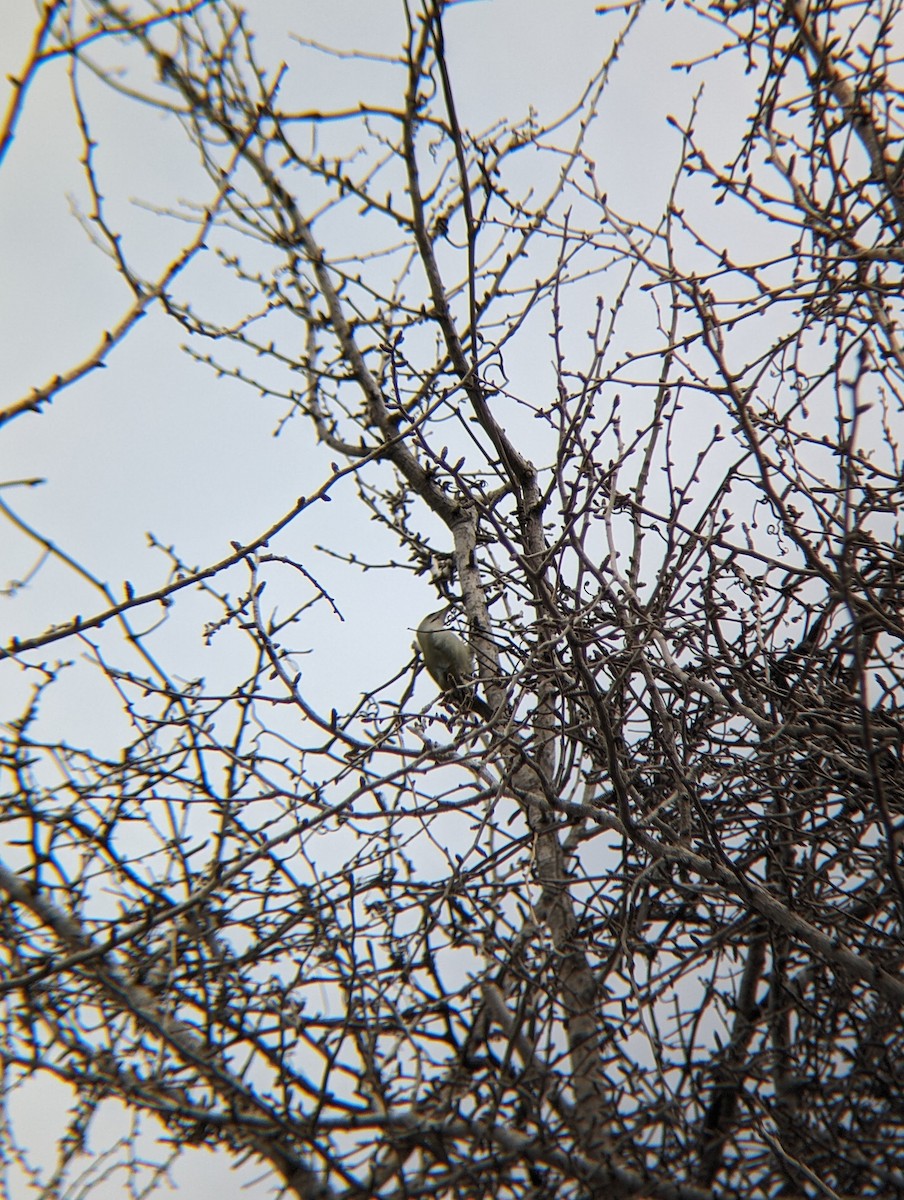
column 450, row 661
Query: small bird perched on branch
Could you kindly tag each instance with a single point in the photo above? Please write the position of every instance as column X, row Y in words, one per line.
column 450, row 662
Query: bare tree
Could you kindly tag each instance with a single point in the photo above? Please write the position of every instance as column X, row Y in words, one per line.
column 638, row 931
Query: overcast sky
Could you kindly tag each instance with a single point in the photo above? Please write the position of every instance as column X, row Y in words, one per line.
column 154, row 442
